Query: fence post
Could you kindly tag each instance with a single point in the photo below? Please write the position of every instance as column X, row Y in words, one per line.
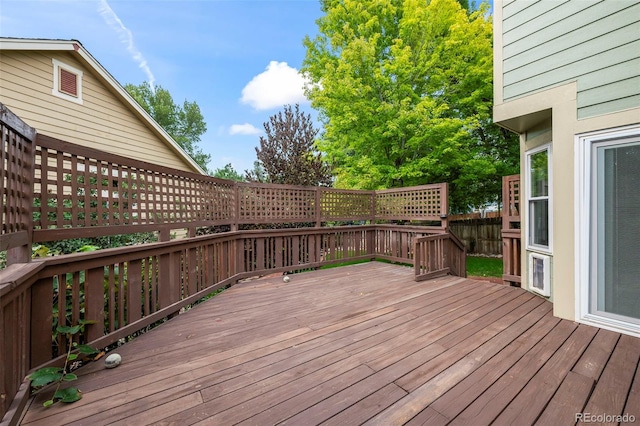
column 318, row 212
column 18, row 147
column 444, row 206
column 373, row 208
column 236, row 206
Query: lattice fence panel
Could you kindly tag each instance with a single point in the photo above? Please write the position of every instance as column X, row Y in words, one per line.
column 426, row 202
column 513, row 201
column 16, row 172
column 270, row 204
column 346, row 204
column 76, row 189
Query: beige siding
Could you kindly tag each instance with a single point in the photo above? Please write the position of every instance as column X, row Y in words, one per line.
column 596, row 43
column 102, row 121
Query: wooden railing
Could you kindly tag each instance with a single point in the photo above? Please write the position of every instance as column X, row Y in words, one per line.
column 511, row 232
column 124, row 290
column 55, row 190
column 438, row 255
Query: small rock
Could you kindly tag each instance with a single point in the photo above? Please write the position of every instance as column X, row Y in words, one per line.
column 112, row 361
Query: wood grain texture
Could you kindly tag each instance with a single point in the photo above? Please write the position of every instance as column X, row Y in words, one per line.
column 360, row 344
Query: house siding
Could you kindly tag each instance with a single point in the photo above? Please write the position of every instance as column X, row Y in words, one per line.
column 102, row 121
column 595, row 43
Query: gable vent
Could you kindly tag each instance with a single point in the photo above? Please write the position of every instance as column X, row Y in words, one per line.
column 68, row 82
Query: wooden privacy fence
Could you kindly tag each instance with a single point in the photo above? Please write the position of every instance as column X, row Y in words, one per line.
column 54, row 190
column 480, row 235
column 511, row 232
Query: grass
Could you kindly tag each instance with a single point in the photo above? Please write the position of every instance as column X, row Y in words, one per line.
column 484, row 266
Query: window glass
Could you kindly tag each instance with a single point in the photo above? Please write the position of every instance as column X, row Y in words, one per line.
column 540, row 174
column 539, row 225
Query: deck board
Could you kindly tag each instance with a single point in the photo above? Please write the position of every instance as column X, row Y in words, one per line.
column 360, row 344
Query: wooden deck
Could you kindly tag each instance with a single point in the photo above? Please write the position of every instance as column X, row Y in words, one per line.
column 361, row 344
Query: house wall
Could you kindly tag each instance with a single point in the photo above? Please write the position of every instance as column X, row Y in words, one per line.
column 102, row 121
column 532, row 97
column 594, row 42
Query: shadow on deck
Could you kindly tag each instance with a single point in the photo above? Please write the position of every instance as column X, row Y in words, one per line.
column 361, row 344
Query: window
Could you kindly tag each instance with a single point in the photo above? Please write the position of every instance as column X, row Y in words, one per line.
column 608, row 229
column 538, row 196
column 67, row 82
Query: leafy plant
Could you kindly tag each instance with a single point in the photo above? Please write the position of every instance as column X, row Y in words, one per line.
column 43, row 377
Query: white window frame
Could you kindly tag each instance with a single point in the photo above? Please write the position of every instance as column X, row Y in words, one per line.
column 583, row 183
column 548, row 249
column 57, row 65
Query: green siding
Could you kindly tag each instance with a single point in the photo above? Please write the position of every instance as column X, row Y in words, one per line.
column 609, row 107
column 545, row 12
column 596, row 43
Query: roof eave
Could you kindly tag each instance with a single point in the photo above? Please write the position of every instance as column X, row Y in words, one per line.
column 89, row 60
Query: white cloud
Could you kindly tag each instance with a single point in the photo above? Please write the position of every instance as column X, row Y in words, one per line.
column 243, row 129
column 278, row 85
column 126, row 37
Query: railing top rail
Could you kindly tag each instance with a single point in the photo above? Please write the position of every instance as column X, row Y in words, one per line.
column 412, row 188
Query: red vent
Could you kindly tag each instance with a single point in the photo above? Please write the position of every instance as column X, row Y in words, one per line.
column 68, row 82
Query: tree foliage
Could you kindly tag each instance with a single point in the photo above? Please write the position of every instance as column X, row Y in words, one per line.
column 228, row 172
column 287, row 154
column 185, row 124
column 404, row 91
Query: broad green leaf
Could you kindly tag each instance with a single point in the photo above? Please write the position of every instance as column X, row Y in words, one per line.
column 87, row 248
column 86, row 349
column 68, row 329
column 44, row 376
column 69, row 377
column 68, row 395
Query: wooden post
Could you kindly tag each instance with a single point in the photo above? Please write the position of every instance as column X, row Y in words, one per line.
column 372, row 220
column 318, row 212
column 236, row 207
column 164, row 234
column 444, row 206
column 511, row 251
column 18, row 189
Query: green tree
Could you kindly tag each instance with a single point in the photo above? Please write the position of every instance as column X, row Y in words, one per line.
column 287, row 154
column 184, row 123
column 228, row 172
column 404, row 91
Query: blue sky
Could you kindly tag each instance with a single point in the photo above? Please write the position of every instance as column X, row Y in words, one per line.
column 237, row 59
